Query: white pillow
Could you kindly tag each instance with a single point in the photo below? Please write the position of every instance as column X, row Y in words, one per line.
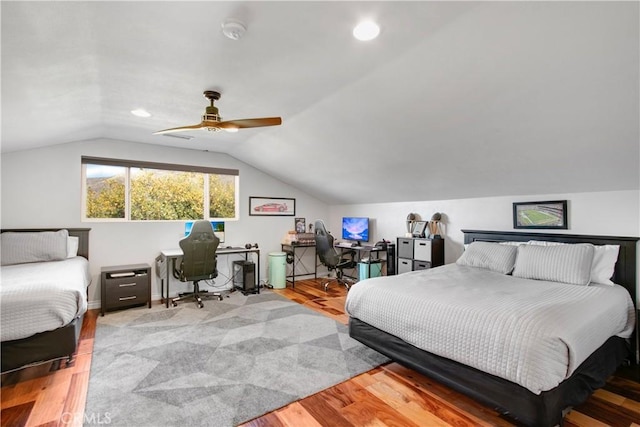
column 604, row 260
column 23, row 247
column 604, row 263
column 72, row 246
column 555, row 263
column 512, row 243
column 489, row 255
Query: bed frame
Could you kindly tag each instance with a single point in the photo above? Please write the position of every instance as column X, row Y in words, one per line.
column 45, row 346
column 510, row 399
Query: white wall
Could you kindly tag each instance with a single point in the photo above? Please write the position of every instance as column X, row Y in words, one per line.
column 42, row 188
column 612, row 213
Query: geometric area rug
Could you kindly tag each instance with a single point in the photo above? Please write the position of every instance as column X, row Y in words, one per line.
column 220, row 365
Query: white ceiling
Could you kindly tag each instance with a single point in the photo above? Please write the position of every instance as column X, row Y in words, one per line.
column 453, row 100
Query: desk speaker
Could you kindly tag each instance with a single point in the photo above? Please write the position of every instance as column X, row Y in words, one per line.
column 244, row 277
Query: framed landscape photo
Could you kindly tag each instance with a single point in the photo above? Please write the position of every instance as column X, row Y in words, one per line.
column 272, row 206
column 541, row 215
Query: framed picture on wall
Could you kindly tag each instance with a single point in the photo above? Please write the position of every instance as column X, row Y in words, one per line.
column 272, row 206
column 540, row 215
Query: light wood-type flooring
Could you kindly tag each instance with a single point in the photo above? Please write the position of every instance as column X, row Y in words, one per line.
column 390, row 395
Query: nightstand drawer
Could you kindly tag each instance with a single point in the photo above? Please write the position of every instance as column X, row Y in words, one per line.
column 120, row 297
column 113, row 284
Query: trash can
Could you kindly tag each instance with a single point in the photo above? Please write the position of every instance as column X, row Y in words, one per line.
column 278, row 270
column 373, row 267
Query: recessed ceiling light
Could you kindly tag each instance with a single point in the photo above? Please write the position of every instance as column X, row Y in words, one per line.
column 367, row 30
column 140, row 112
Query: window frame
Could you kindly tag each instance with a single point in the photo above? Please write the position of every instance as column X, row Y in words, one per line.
column 128, row 164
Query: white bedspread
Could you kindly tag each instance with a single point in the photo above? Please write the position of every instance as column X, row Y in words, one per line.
column 530, row 332
column 42, row 296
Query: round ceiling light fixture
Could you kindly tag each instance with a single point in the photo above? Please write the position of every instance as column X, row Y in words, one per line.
column 233, row 29
column 139, row 112
column 366, row 30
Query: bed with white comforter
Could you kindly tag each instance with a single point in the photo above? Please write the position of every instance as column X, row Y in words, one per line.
column 42, row 296
column 528, row 324
column 532, row 332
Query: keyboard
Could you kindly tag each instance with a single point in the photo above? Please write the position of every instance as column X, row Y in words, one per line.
column 346, row 245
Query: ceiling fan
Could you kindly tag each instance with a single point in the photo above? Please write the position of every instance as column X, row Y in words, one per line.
column 212, row 121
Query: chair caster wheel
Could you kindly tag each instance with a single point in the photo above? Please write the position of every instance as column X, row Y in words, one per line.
column 200, row 305
column 175, row 304
column 220, row 298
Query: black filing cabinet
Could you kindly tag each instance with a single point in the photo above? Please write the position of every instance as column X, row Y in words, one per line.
column 419, row 253
column 124, row 286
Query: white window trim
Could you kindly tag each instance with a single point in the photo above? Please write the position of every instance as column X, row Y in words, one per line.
column 128, row 164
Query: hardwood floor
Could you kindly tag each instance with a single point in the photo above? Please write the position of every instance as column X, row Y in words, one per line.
column 390, row 395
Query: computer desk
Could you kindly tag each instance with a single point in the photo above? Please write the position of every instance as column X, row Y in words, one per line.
column 166, row 262
column 361, row 252
column 298, row 251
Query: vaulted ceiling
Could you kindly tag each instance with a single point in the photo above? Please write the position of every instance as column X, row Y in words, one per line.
column 452, row 100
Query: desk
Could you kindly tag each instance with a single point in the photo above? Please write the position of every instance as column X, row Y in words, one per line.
column 361, row 255
column 298, row 251
column 166, row 262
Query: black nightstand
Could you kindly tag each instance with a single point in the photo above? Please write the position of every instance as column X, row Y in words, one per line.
column 124, row 286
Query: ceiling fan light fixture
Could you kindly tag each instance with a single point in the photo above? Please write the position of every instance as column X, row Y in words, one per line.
column 233, row 29
column 212, row 122
column 366, row 30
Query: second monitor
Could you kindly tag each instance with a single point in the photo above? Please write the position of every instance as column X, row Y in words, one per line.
column 355, row 229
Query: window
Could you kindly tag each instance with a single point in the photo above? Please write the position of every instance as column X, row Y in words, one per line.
column 123, row 190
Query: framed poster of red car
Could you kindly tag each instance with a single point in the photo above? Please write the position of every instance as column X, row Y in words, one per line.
column 270, row 206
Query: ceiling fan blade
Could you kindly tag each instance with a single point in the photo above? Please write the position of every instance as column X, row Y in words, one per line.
column 182, row 128
column 250, row 123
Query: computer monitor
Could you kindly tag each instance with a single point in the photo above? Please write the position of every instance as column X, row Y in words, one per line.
column 218, row 229
column 355, row 228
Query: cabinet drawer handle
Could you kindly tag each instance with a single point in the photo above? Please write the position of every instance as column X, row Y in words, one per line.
column 127, row 298
column 126, row 285
column 422, row 244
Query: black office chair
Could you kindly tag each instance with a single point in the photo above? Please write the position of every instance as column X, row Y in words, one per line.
column 198, row 261
column 329, row 257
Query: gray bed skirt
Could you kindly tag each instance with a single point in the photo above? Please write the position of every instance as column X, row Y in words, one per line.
column 507, row 398
column 42, row 347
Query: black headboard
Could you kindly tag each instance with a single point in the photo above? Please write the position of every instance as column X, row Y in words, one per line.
column 81, row 233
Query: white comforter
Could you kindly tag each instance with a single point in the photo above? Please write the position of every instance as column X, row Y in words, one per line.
column 530, row 332
column 42, row 296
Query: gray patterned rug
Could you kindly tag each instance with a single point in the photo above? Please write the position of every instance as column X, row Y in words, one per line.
column 221, row 365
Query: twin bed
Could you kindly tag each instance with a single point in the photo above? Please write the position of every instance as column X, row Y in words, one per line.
column 522, row 322
column 43, row 294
